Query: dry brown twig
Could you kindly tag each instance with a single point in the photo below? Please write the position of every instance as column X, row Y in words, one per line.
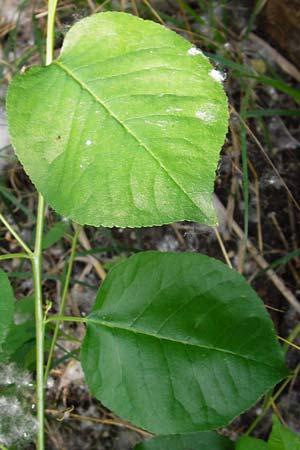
column 83, row 239
column 223, row 248
column 63, row 415
column 154, row 12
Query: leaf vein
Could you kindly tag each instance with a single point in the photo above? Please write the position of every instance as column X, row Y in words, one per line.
column 121, row 327
column 129, row 131
column 124, row 55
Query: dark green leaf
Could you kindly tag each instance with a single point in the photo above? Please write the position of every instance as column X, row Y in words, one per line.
column 249, row 443
column 193, row 441
column 178, row 343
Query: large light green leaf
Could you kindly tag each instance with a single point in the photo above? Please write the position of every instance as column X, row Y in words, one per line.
column 193, row 441
column 178, row 343
column 249, row 443
column 7, row 303
column 282, row 438
column 125, row 128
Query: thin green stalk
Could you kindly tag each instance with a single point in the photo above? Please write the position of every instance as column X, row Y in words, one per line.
column 52, row 4
column 63, row 300
column 268, row 398
column 257, row 9
column 15, row 235
column 37, row 268
column 292, row 337
column 66, row 319
column 14, row 256
column 37, row 278
column 267, row 405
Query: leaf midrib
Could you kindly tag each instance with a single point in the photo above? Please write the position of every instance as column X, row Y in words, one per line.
column 122, row 327
column 84, row 86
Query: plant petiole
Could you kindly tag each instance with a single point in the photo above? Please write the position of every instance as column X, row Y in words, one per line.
column 16, row 236
column 15, row 256
column 66, row 319
column 52, row 4
column 291, row 337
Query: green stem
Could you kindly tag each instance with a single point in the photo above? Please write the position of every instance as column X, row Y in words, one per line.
column 52, row 4
column 39, row 324
column 268, row 398
column 63, row 301
column 15, row 235
column 292, row 337
column 267, row 403
column 265, row 407
column 66, row 319
column 37, row 267
column 14, row 256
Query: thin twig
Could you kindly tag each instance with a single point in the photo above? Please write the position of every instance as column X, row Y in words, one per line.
column 83, row 239
column 100, row 7
column 16, row 235
column 134, row 7
column 286, row 341
column 178, row 235
column 40, row 15
column 223, row 249
column 155, row 13
column 115, row 422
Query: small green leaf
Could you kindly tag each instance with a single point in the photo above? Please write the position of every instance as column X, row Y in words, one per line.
column 281, row 438
column 178, row 343
column 24, row 310
column 19, row 345
column 7, row 303
column 249, row 443
column 193, row 441
column 55, row 234
column 124, row 128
